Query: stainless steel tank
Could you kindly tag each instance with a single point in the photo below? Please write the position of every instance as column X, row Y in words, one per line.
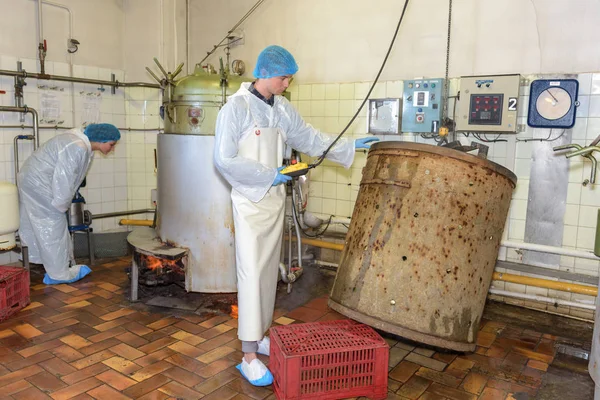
column 422, row 246
column 194, row 204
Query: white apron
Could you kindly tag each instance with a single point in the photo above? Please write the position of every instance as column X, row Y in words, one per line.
column 258, row 230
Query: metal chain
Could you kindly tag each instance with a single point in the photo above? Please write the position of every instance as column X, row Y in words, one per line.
column 446, row 83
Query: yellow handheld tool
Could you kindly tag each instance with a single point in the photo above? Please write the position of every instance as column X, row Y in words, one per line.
column 296, row 169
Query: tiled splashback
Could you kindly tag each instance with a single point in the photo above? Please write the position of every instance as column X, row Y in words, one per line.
column 119, row 181
column 333, row 189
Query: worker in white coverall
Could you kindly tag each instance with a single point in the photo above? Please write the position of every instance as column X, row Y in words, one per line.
column 47, row 183
column 252, row 129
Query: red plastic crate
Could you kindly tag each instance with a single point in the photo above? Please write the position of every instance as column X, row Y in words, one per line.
column 14, row 290
column 328, row 360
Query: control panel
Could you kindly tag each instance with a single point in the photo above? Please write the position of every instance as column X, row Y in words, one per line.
column 488, row 104
column 384, row 116
column 422, row 105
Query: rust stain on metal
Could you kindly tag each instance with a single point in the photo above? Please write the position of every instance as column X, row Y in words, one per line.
column 425, row 233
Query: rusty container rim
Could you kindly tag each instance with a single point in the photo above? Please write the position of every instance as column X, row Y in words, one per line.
column 446, row 152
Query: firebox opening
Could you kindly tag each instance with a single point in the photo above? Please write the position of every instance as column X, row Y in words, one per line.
column 156, row 271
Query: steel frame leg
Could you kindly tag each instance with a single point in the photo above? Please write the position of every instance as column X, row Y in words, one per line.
column 91, row 247
column 134, row 280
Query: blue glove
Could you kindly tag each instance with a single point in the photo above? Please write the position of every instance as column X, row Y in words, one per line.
column 362, row 142
column 281, row 178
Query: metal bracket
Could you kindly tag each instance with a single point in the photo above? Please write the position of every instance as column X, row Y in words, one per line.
column 113, row 89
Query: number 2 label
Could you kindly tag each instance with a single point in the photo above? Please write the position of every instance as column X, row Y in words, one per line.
column 512, row 104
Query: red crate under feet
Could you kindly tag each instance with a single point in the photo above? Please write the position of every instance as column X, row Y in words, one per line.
column 14, row 290
column 328, row 360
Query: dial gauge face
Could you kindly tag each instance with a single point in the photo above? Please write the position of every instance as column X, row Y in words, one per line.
column 553, row 103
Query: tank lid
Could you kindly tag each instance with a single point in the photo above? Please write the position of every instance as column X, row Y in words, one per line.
column 446, row 152
column 203, row 83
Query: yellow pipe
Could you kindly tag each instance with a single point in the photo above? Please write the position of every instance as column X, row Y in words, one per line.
column 547, row 284
column 136, row 222
column 498, row 276
column 320, row 243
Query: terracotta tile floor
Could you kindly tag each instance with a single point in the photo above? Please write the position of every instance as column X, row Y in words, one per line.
column 84, row 341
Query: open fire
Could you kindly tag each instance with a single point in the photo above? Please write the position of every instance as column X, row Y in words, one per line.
column 155, row 271
column 234, row 311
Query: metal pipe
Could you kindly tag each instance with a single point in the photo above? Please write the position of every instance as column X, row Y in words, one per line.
column 122, row 213
column 283, row 273
column 25, row 74
column 41, row 45
column 517, row 245
column 594, row 165
column 64, row 8
column 241, row 21
column 583, row 151
column 33, row 112
column 16, row 156
column 587, row 154
column 543, row 299
column 550, row 249
column 546, row 284
column 294, row 275
column 16, row 151
column 136, row 222
column 40, row 22
column 56, row 127
column 523, row 280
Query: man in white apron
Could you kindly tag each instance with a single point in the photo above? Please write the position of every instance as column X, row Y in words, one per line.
column 252, row 129
column 47, row 183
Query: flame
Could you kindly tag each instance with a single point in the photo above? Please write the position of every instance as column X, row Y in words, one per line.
column 155, row 262
column 234, row 311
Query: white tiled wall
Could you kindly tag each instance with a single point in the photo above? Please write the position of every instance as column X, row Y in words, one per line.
column 120, row 181
column 142, row 106
column 333, row 189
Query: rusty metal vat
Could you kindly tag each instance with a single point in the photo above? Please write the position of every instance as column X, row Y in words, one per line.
column 422, row 246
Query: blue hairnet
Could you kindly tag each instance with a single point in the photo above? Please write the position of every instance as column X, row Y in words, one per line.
column 102, row 133
column 274, row 61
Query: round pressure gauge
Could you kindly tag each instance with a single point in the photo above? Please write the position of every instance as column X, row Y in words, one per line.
column 553, row 103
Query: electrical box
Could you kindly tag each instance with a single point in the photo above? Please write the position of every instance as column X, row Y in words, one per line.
column 422, row 105
column 488, row 104
column 384, row 116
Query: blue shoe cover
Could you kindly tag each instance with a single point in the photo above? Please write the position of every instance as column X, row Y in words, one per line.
column 83, row 271
column 265, row 380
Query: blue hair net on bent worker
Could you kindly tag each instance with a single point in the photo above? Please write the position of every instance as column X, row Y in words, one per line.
column 102, row 133
column 274, row 61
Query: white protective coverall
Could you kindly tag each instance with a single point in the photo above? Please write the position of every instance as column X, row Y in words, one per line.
column 47, row 183
column 250, row 138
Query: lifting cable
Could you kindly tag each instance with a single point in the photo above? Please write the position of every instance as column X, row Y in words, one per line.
column 322, row 156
